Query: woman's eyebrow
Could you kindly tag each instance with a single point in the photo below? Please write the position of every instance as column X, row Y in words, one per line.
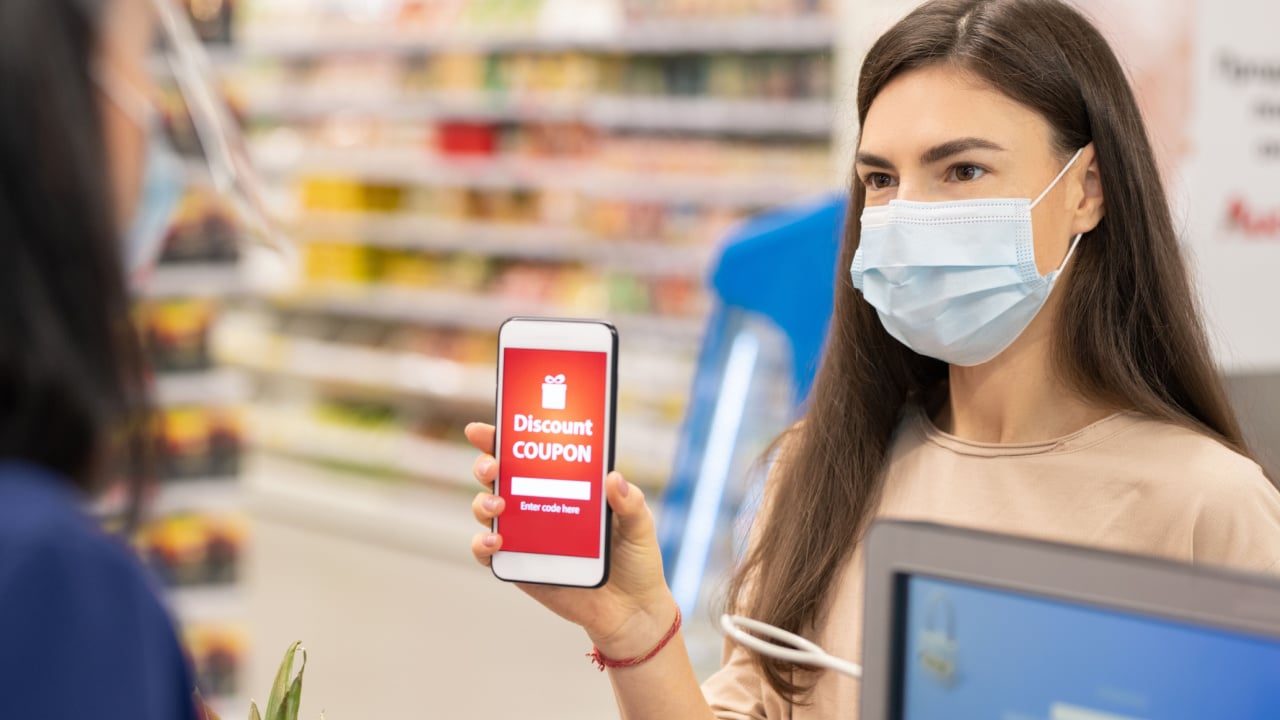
column 955, row 147
column 934, row 154
column 866, row 158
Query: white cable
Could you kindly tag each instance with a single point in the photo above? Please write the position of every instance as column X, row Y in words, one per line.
column 801, row 652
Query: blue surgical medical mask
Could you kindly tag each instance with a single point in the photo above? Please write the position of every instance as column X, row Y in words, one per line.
column 163, row 184
column 142, row 237
column 956, row 281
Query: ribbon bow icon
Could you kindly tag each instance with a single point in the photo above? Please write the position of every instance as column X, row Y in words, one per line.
column 554, row 379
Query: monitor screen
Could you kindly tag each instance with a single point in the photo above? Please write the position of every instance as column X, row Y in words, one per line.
column 968, row 651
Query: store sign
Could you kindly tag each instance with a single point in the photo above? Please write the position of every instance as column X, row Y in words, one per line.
column 1231, row 177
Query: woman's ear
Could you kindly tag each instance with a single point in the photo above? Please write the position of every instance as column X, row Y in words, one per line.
column 1092, row 205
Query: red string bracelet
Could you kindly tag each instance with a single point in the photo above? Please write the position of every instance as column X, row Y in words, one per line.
column 603, row 662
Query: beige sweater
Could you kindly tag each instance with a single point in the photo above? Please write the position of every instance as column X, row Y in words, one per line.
column 1125, row 483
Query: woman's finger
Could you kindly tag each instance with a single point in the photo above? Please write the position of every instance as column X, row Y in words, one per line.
column 480, row 435
column 631, row 515
column 485, row 470
column 486, row 507
column 484, row 545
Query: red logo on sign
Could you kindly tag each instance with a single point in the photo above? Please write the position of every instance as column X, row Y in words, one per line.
column 1253, row 223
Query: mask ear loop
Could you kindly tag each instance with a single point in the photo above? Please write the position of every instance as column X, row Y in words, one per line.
column 801, row 652
column 1064, row 170
column 1070, row 251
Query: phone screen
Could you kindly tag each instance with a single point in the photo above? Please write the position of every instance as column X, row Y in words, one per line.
column 554, row 452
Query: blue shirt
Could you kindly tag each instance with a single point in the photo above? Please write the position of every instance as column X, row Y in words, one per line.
column 82, row 631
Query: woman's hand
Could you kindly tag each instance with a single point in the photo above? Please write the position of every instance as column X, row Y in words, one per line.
column 633, row 610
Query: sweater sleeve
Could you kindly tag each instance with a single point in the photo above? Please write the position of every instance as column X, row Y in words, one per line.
column 1238, row 522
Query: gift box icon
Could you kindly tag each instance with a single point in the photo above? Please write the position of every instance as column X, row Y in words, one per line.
column 553, row 392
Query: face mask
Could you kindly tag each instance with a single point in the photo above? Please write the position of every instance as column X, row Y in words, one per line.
column 142, row 238
column 162, row 188
column 956, row 281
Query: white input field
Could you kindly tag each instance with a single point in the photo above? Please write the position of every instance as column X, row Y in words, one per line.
column 1062, row 711
column 548, row 488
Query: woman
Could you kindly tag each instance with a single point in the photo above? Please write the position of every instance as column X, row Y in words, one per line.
column 82, row 631
column 1002, row 156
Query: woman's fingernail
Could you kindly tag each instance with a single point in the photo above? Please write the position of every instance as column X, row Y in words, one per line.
column 490, row 540
column 625, row 490
column 485, row 467
column 491, row 503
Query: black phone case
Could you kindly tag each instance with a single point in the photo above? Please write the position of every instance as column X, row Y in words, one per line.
column 612, row 419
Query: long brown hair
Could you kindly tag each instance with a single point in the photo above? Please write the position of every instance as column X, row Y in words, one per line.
column 72, row 374
column 1129, row 335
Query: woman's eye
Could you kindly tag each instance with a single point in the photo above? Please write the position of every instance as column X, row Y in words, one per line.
column 878, row 181
column 966, row 173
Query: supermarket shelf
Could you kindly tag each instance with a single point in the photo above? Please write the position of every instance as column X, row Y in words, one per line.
column 748, row 192
column 194, row 280
column 750, row 34
column 411, row 167
column 754, row 34
column 312, row 42
column 223, row 386
column 713, row 115
column 214, row 494
column 645, row 451
column 229, row 707
column 467, row 310
column 536, row 242
column 413, row 375
column 203, row 603
column 402, row 515
column 398, row 373
column 415, row 167
column 683, row 114
column 388, row 450
column 312, row 103
column 399, row 515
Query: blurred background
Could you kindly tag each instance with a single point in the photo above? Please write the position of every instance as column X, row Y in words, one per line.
column 673, row 166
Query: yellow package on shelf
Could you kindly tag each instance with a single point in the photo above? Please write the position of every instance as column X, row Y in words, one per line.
column 344, row 194
column 338, row 262
column 410, row 269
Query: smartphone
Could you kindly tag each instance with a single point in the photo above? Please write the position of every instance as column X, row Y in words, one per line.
column 557, row 391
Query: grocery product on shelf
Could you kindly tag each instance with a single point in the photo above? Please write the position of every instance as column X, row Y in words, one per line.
column 332, row 267
column 202, row 231
column 176, row 334
column 217, row 651
column 193, row 548
column 198, row 442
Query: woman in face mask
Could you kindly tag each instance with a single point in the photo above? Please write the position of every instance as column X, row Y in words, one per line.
column 82, row 631
column 1015, row 347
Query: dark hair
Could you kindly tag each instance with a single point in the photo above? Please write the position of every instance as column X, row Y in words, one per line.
column 1133, row 339
column 71, row 372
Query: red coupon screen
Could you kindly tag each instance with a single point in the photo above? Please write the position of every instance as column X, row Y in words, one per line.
column 551, row 468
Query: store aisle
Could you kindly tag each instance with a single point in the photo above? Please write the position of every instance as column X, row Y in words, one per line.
column 397, row 629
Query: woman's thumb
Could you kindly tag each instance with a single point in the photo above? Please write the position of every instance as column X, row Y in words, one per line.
column 630, row 514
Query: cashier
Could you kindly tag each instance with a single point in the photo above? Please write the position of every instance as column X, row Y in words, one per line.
column 1015, row 347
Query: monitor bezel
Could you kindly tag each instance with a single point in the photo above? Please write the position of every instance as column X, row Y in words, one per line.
column 895, row 550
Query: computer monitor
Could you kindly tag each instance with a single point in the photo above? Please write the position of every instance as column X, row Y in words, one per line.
column 962, row 624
